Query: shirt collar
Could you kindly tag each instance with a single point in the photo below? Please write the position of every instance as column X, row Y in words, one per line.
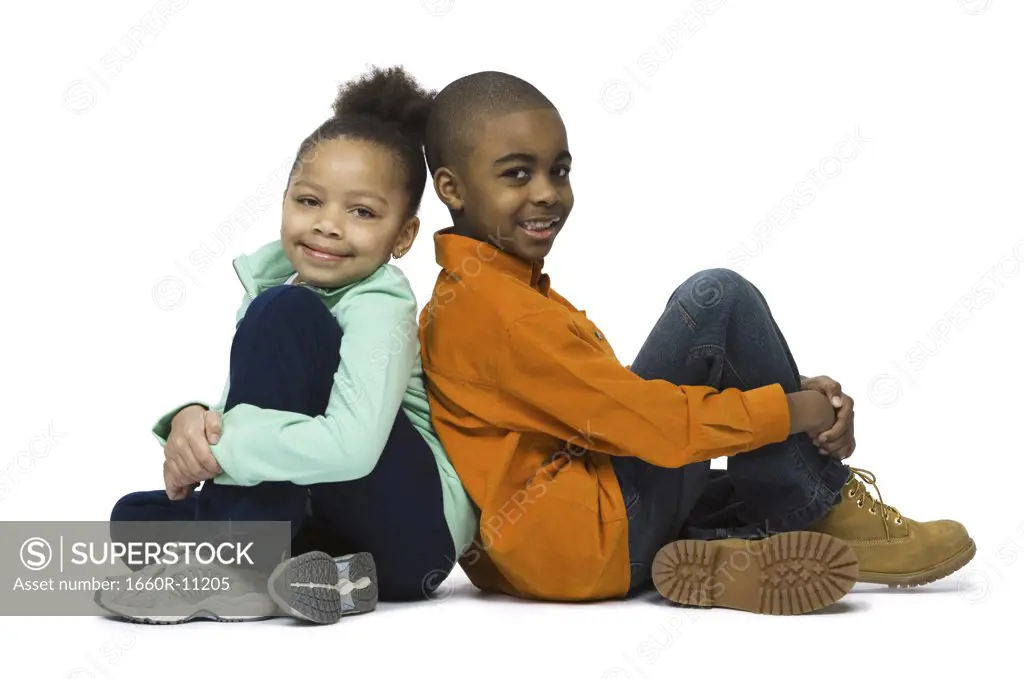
column 463, row 255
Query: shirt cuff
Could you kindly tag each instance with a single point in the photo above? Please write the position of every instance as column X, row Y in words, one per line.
column 769, row 415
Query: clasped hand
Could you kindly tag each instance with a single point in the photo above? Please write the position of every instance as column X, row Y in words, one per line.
column 838, row 441
column 188, row 460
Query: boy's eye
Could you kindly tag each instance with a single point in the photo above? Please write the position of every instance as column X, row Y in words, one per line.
column 561, row 172
column 363, row 212
column 516, row 173
column 308, row 201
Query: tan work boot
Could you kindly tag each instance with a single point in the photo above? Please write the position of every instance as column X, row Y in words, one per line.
column 785, row 574
column 894, row 550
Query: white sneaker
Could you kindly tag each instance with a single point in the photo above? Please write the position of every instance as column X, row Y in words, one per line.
column 180, row 592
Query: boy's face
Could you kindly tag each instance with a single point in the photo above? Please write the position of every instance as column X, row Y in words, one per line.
column 344, row 213
column 513, row 188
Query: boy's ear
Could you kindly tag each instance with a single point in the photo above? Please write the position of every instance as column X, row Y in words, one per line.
column 446, row 186
column 406, row 236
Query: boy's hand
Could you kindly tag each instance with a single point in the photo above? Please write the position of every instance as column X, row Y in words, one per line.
column 810, row 413
column 837, row 441
column 188, row 459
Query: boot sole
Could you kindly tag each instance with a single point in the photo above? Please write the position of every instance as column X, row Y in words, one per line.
column 785, row 574
column 315, row 587
column 929, row 575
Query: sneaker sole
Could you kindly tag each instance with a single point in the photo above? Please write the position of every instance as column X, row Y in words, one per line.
column 317, row 588
column 929, row 575
column 199, row 613
column 785, row 574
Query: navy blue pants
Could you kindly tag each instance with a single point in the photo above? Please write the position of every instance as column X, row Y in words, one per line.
column 284, row 356
column 717, row 331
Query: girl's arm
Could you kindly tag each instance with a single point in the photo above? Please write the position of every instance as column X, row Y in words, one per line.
column 379, row 348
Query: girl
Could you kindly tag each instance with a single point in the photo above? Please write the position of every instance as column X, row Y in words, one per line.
column 324, row 421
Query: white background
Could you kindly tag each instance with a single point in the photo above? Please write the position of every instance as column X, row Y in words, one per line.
column 129, row 140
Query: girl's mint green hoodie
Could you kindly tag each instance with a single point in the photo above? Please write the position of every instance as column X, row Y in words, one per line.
column 379, row 372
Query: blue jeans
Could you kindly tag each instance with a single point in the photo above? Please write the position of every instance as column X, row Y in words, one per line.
column 717, row 331
column 284, row 356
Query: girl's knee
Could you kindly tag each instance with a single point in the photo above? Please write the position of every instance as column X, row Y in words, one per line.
column 153, row 505
column 288, row 294
column 130, row 506
column 285, row 303
column 289, row 314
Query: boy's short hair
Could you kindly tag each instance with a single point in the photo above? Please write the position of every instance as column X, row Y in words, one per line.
column 463, row 104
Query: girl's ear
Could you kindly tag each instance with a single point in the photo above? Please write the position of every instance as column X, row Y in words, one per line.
column 446, row 186
column 406, row 237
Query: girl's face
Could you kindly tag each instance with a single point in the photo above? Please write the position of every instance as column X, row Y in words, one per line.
column 344, row 213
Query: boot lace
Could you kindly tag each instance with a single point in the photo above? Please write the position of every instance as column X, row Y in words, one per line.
column 860, row 494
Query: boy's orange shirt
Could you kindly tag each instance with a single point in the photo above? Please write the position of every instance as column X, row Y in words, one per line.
column 530, row 404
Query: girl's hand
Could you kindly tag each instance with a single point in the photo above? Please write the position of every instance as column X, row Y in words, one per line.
column 173, row 485
column 188, row 459
column 838, row 441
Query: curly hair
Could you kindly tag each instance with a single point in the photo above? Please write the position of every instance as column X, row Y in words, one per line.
column 385, row 107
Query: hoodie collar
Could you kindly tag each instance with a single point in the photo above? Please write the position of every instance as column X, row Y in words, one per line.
column 268, row 267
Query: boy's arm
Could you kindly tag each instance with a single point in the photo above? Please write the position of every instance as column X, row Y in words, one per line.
column 553, row 381
column 346, row 442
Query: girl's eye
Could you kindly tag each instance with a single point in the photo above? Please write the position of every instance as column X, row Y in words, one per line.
column 516, row 173
column 364, row 212
column 562, row 172
column 307, row 201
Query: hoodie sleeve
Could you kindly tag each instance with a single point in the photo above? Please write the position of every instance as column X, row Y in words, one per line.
column 378, row 351
column 162, row 428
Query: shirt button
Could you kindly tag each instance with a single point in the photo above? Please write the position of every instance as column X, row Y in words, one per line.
column 598, row 335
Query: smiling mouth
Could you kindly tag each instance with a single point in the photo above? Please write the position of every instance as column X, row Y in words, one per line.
column 322, row 255
column 539, row 224
column 539, row 229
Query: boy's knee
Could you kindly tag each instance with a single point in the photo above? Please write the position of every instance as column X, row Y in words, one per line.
column 708, row 288
column 719, row 275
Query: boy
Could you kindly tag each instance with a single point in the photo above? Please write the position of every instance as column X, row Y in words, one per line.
column 591, row 477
